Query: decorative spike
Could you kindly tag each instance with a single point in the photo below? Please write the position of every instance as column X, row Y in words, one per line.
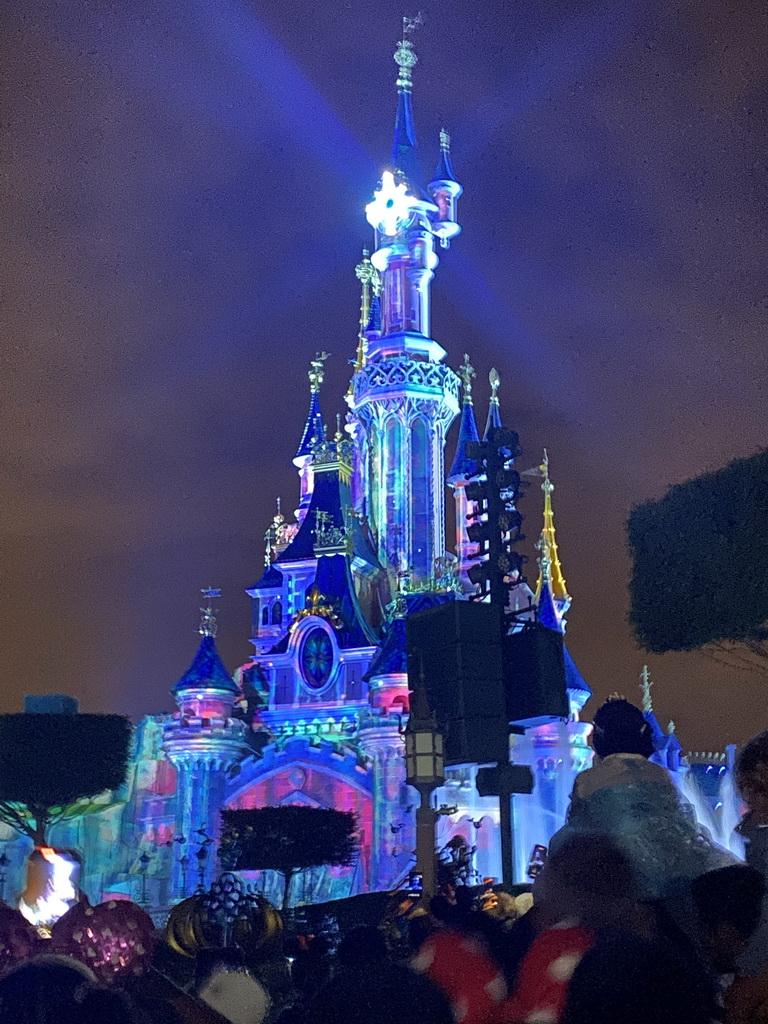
column 494, row 380
column 316, row 373
column 548, row 542
column 645, row 686
column 370, row 281
column 208, row 626
column 467, row 372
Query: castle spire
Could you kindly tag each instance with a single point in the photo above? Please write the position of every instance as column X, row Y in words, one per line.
column 404, row 153
column 314, row 430
column 494, row 413
column 553, row 576
column 461, row 467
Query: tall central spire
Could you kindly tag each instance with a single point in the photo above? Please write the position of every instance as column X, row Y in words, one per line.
column 404, row 153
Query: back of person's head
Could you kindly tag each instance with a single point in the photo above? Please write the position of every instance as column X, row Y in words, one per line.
column 212, row 961
column 729, row 904
column 624, row 979
column 237, row 996
column 588, row 878
column 621, row 728
column 362, row 946
column 45, row 990
column 387, row 994
column 752, row 776
column 107, row 1006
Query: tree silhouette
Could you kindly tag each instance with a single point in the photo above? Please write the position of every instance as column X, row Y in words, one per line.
column 287, row 839
column 700, row 565
column 51, row 765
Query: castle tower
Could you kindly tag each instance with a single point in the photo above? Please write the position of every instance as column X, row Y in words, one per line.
column 314, row 433
column 204, row 743
column 462, row 470
column 404, row 398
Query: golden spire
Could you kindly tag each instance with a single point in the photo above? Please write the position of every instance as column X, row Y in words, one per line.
column 494, row 380
column 316, row 373
column 370, row 281
column 549, row 562
column 467, row 372
column 645, row 686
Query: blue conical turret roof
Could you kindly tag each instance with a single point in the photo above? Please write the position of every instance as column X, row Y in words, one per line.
column 444, row 171
column 494, row 419
column 462, row 466
column 206, row 670
column 314, row 429
column 546, row 610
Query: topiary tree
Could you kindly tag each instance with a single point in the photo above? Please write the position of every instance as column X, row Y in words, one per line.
column 52, row 765
column 287, row 839
column 700, row 564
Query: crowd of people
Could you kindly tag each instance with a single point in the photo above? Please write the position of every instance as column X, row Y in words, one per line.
column 637, row 917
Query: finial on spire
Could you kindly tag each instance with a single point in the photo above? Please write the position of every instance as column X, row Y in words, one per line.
column 645, row 686
column 405, row 57
column 494, row 380
column 370, row 281
column 467, row 372
column 338, row 436
column 208, row 625
column 445, row 141
column 316, row 373
column 274, row 534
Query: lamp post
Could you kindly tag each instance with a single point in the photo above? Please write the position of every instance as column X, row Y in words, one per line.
column 424, row 770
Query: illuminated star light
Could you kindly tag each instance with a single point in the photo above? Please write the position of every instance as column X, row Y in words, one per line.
column 391, row 206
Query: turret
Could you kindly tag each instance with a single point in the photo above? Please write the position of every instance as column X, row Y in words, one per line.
column 314, row 433
column 204, row 743
column 445, row 191
column 462, row 469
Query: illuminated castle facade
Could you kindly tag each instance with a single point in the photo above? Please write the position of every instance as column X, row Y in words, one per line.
column 316, row 716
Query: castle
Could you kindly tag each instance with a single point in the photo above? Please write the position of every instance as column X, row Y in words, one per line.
column 316, row 716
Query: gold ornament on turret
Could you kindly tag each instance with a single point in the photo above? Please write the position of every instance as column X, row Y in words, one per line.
column 466, row 373
column 548, row 542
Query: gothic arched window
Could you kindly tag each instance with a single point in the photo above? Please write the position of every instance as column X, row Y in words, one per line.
column 265, row 616
column 421, row 498
column 277, row 613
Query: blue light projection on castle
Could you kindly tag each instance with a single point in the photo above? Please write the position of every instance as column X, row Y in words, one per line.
column 316, row 716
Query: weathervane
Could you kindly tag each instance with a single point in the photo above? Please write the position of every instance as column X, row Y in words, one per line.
column 208, row 625
column 317, row 372
column 405, row 58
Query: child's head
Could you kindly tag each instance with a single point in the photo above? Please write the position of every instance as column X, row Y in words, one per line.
column 752, row 776
column 620, row 728
column 729, row 903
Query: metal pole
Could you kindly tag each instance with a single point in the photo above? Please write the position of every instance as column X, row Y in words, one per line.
column 507, row 848
column 426, row 819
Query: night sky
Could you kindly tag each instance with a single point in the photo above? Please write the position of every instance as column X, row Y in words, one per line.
column 183, row 184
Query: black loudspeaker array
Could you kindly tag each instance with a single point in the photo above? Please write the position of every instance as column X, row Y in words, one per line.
column 479, row 681
column 457, row 646
column 534, row 676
